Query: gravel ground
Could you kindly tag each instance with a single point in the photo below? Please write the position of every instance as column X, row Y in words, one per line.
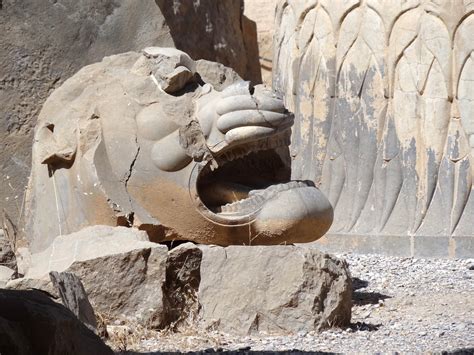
column 401, row 305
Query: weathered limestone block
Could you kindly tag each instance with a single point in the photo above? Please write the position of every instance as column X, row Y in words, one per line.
column 127, row 285
column 275, row 289
column 383, row 98
column 31, row 323
column 89, row 243
column 122, row 273
column 45, row 42
column 141, row 140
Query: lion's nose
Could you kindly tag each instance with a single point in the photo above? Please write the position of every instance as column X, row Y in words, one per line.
column 243, row 113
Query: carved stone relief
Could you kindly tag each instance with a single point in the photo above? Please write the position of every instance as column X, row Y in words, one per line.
column 147, row 140
column 383, row 95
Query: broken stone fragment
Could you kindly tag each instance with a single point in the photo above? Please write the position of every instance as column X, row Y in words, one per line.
column 176, row 80
column 121, row 271
column 171, row 68
column 89, row 243
column 127, row 285
column 74, row 297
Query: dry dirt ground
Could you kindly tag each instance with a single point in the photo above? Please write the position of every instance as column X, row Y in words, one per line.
column 402, row 305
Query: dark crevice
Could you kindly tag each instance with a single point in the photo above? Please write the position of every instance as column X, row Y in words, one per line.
column 180, row 291
column 234, row 180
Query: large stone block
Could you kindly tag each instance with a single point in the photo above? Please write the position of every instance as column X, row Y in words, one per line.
column 122, row 272
column 383, row 98
column 278, row 289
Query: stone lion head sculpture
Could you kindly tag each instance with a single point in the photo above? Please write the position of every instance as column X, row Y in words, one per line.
column 172, row 146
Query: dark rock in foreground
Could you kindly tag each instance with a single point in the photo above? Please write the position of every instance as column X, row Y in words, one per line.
column 31, row 323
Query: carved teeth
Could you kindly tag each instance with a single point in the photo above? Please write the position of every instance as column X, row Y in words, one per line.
column 254, row 192
column 213, row 165
column 281, row 140
column 258, row 197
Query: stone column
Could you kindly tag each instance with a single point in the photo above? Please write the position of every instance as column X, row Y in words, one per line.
column 383, row 92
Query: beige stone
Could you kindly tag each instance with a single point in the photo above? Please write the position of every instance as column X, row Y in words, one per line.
column 127, row 285
column 89, row 243
column 122, row 273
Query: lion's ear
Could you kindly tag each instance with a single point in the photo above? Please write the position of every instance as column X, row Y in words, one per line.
column 54, row 148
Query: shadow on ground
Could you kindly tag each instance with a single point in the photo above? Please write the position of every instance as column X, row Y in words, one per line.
column 360, row 298
column 244, row 351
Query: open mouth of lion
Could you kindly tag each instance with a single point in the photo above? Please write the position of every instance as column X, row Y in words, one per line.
column 245, row 179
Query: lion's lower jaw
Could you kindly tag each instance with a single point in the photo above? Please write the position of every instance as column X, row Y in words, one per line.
column 297, row 215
